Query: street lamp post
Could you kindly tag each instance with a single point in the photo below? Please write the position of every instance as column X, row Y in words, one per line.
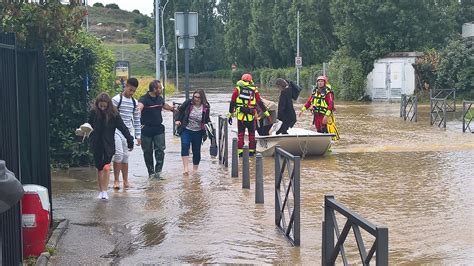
column 122, row 31
column 176, row 52
column 164, row 52
column 157, row 38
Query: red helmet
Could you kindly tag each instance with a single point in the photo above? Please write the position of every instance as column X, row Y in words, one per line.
column 246, row 77
column 322, row 78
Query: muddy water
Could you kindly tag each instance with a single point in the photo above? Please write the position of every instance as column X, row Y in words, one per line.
column 413, row 178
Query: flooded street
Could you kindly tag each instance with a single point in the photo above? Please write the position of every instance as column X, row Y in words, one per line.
column 416, row 179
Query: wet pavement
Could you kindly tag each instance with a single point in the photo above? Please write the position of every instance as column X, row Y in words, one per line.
column 411, row 177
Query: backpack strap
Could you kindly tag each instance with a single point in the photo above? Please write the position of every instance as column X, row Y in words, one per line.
column 120, row 103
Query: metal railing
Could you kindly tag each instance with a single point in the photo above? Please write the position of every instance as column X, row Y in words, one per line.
column 438, row 111
column 409, row 107
column 330, row 252
column 223, row 142
column 448, row 94
column 467, row 116
column 287, row 195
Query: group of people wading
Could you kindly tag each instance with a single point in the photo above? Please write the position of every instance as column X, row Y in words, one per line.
column 113, row 119
column 247, row 106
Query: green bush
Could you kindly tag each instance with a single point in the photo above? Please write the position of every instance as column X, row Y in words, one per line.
column 346, row 76
column 73, row 57
column 456, row 66
column 112, row 6
column 69, row 66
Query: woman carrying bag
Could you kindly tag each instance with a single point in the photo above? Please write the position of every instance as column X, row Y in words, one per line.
column 192, row 117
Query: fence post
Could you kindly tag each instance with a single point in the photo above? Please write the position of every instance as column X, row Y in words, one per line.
column 235, row 158
column 219, row 144
column 296, row 211
column 416, row 108
column 226, row 144
column 381, row 246
column 431, row 107
column 328, row 231
column 246, row 168
column 444, row 112
column 402, row 100
column 277, row 185
column 463, row 116
column 259, row 179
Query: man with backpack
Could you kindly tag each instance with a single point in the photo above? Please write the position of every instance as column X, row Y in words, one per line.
column 127, row 107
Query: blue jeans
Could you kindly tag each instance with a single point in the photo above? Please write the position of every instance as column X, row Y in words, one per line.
column 193, row 139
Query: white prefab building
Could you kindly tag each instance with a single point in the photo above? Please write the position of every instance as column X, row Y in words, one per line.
column 392, row 76
column 468, row 30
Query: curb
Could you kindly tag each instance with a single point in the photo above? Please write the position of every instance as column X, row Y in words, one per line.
column 53, row 241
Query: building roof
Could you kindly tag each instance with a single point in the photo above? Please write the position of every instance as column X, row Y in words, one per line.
column 404, row 54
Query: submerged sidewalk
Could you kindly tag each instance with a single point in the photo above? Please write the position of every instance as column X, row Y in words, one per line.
column 201, row 218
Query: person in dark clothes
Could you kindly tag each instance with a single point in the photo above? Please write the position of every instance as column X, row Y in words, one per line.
column 286, row 112
column 192, row 117
column 153, row 132
column 104, row 119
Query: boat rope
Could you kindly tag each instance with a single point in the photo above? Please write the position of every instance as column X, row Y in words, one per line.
column 303, row 149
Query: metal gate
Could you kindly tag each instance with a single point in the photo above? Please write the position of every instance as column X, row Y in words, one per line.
column 24, row 134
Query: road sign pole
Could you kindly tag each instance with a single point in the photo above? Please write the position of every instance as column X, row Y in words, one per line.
column 298, row 47
column 186, row 54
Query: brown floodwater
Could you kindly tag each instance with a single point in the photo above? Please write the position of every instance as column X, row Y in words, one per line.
column 415, row 179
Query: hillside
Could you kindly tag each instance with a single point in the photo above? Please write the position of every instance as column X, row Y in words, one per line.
column 140, row 56
column 104, row 23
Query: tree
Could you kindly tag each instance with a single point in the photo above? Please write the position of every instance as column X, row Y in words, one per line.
column 370, row 29
column 98, row 4
column 456, row 67
column 136, row 11
column 260, row 37
column 236, row 34
column 317, row 40
column 284, row 48
column 112, row 6
column 72, row 57
column 209, row 50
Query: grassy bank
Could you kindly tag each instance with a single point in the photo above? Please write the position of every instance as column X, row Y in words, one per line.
column 140, row 56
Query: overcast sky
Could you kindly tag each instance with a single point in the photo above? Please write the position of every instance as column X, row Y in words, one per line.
column 144, row 6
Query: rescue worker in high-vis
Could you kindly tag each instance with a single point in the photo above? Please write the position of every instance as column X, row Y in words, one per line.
column 321, row 103
column 243, row 104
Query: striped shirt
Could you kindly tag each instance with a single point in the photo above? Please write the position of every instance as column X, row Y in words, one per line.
column 130, row 118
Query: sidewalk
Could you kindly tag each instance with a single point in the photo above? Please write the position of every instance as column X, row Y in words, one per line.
column 200, row 218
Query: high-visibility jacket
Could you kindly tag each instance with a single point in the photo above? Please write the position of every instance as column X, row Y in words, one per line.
column 320, row 102
column 245, row 99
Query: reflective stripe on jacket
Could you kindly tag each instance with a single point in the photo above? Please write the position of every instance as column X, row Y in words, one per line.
column 246, row 101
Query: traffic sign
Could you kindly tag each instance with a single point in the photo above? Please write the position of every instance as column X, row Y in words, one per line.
column 192, row 24
column 298, row 62
column 182, row 43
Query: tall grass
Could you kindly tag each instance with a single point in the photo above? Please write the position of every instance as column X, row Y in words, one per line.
column 144, row 81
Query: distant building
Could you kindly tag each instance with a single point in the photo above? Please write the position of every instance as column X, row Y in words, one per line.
column 468, row 30
column 392, row 76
